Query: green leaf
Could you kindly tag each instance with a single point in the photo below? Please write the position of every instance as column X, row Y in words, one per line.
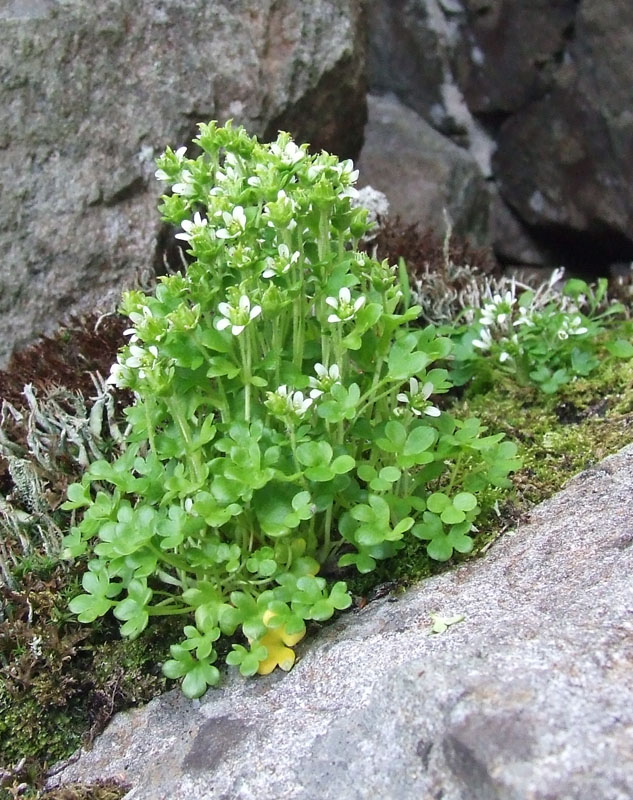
column 342, row 464
column 88, row 607
column 419, row 440
column 197, row 680
column 366, row 472
column 390, row 474
column 312, row 454
column 440, row 548
column 404, row 360
column 465, row 501
column 620, row 348
column 272, row 506
column 437, row 502
column 78, row 497
column 451, row 515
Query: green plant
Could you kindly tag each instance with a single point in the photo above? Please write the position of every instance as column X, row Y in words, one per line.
column 282, row 421
column 543, row 336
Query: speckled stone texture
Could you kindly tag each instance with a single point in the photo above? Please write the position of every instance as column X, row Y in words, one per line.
column 91, row 92
column 529, row 698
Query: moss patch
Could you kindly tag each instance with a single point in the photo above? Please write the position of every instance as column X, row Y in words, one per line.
column 60, row 682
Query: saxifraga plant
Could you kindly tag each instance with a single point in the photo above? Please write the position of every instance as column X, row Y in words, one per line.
column 283, row 419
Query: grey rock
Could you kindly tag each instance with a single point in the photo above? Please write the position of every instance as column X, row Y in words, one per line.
column 91, row 92
column 528, row 697
column 508, row 51
column 511, row 241
column 421, row 172
column 565, row 162
column 541, row 94
column 412, row 50
column 407, row 56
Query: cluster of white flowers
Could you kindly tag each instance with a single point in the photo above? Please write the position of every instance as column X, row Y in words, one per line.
column 137, row 358
column 160, row 174
column 284, row 402
column 571, row 327
column 192, row 227
column 289, row 154
column 234, row 223
column 499, row 311
column 276, row 267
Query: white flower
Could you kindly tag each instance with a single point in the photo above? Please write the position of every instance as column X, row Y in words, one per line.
column 234, row 222
column 571, row 327
column 343, row 306
column 346, row 170
column 117, row 375
column 499, row 310
column 290, row 154
column 238, row 316
column 525, row 318
column 280, row 265
column 417, row 398
column 314, row 171
column 326, row 378
column 299, row 404
column 485, row 339
column 191, row 228
column 160, row 174
column 186, row 188
column 504, row 356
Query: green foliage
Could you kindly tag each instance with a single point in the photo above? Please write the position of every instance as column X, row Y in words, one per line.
column 282, row 418
column 544, row 337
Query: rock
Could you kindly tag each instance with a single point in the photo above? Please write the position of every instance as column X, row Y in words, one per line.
column 540, row 93
column 529, row 696
column 407, row 56
column 91, row 93
column 411, row 54
column 421, row 172
column 508, row 52
column 565, row 162
column 511, row 242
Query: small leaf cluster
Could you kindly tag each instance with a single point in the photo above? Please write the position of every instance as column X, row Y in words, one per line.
column 543, row 337
column 283, row 418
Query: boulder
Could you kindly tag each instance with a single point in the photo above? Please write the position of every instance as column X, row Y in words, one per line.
column 540, row 93
column 525, row 693
column 92, row 92
column 565, row 162
column 508, row 52
column 422, row 172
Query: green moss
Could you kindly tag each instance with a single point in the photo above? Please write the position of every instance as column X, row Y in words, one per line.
column 60, row 682
column 563, row 434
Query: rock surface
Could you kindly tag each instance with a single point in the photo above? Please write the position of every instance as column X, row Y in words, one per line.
column 92, row 92
column 540, row 93
column 528, row 697
column 421, row 172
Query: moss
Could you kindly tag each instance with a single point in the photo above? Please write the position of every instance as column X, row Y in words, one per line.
column 60, row 682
